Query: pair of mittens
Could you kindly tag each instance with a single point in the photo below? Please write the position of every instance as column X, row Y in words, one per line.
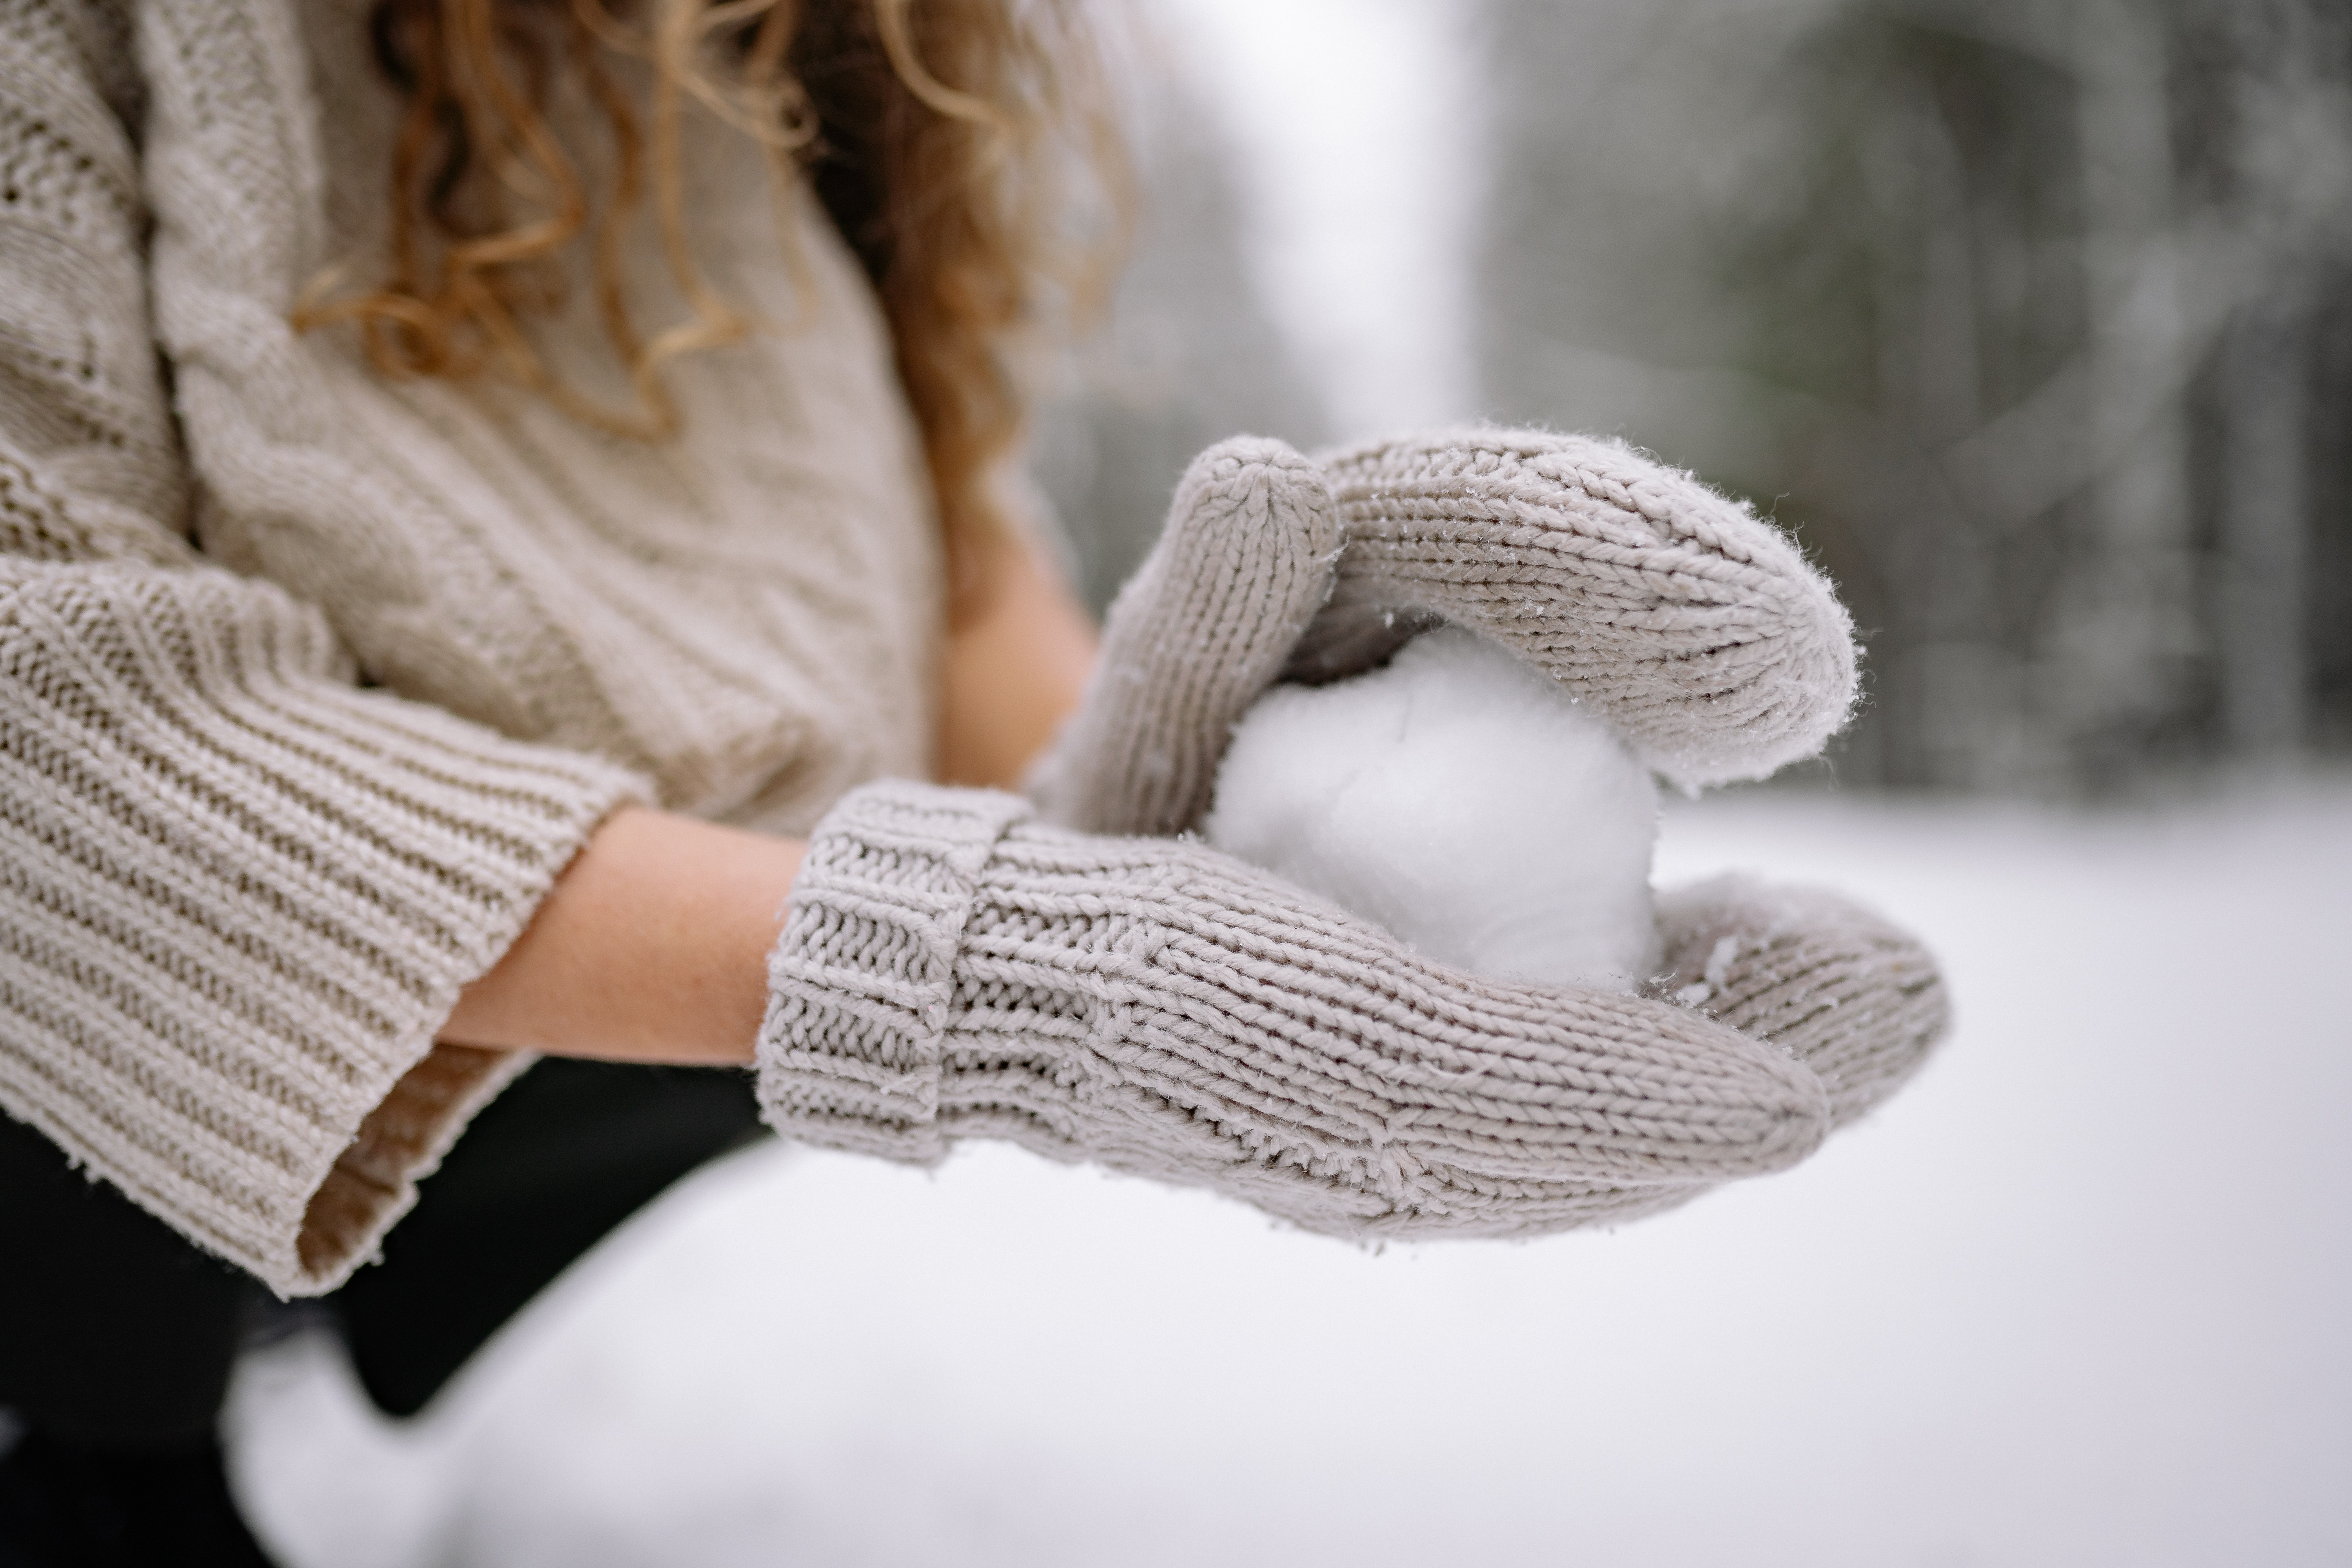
column 1695, row 630
column 1078, row 974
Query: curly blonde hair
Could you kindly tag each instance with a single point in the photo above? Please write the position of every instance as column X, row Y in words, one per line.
column 944, row 137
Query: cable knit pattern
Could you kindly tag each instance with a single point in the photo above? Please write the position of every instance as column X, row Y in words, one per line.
column 1695, row 629
column 1244, row 564
column 1854, row 997
column 951, row 968
column 239, row 891
column 749, row 614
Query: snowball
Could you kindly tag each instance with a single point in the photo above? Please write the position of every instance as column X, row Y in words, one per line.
column 1461, row 801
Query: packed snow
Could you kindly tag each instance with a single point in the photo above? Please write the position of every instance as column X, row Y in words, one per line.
column 2077, row 1296
column 1460, row 801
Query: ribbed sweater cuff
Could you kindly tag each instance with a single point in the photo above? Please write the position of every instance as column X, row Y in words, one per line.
column 242, row 899
column 860, row 984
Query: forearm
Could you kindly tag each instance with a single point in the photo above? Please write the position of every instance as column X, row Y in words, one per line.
column 651, row 947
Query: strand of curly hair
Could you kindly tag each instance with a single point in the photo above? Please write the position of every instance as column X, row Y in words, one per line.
column 941, row 136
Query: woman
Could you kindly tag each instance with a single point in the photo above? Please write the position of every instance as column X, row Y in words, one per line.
column 494, row 492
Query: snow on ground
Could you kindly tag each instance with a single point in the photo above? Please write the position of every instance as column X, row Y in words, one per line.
column 2077, row 1297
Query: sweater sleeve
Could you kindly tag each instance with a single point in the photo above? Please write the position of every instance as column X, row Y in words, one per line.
column 238, row 893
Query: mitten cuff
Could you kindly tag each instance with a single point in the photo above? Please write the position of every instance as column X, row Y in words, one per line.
column 859, row 984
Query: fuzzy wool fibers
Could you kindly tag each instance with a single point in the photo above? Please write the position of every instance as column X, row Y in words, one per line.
column 1461, row 802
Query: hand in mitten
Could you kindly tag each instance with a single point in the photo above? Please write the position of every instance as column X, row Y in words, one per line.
column 1695, row 629
column 952, row 968
column 1850, row 994
column 1246, row 561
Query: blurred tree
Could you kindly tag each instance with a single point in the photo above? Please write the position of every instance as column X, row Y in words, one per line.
column 2264, row 95
column 2009, row 307
column 2327, row 575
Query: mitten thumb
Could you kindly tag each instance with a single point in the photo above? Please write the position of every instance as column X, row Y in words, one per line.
column 1852, row 995
column 1204, row 625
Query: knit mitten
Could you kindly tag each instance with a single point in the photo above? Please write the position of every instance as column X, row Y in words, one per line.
column 951, row 968
column 1204, row 625
column 1693, row 628
column 1854, row 998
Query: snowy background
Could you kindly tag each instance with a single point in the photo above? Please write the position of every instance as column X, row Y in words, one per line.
column 2077, row 1297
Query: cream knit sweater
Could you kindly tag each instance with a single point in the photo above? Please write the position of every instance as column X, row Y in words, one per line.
column 312, row 682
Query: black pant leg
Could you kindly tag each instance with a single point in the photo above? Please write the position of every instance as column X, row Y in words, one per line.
column 569, row 1151
column 113, row 1330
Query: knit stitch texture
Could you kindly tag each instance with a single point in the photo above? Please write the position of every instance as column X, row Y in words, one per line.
column 1696, row 630
column 1200, row 629
column 951, row 968
column 1845, row 991
column 265, row 806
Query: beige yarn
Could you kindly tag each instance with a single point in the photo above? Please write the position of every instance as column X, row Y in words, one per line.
column 1853, row 996
column 240, row 897
column 951, row 968
column 1693, row 628
column 239, row 892
column 1692, row 625
column 1201, row 629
